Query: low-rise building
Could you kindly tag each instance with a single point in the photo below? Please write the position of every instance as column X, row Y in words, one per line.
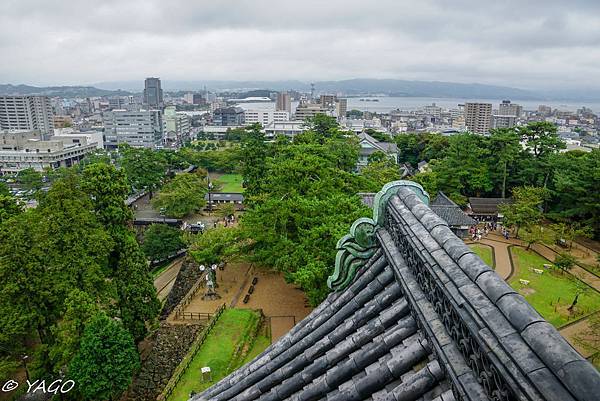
column 228, row 116
column 287, row 128
column 265, row 117
column 307, row 110
column 177, row 126
column 20, row 150
column 369, row 145
column 504, row 121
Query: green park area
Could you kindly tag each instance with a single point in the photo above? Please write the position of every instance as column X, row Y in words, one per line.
column 230, row 183
column 552, row 292
column 232, row 332
column 484, row 252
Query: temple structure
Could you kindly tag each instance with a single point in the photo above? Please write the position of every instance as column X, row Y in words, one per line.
column 414, row 315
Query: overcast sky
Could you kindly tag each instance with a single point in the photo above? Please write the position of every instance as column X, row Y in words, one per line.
column 526, row 44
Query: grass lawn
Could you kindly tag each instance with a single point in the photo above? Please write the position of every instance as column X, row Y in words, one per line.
column 552, row 292
column 232, row 328
column 484, row 252
column 230, row 183
column 260, row 344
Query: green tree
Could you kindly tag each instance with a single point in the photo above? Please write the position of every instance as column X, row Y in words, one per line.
column 137, row 301
column 541, row 143
column 565, row 261
column 226, row 210
column 106, row 360
column 80, row 307
column 379, row 172
column 323, row 125
column 30, row 180
column 9, row 206
column 575, row 194
column 534, row 234
column 463, row 171
column 253, row 161
column 409, row 148
column 183, row 195
column 569, row 231
column 306, row 204
column 161, row 241
column 526, row 209
column 505, row 148
column 217, row 245
column 145, row 168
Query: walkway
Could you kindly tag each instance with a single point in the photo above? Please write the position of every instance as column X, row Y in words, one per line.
column 503, row 265
column 164, row 282
column 572, row 331
column 505, row 269
column 498, row 242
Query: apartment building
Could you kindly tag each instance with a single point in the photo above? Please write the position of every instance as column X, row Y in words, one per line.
column 26, row 113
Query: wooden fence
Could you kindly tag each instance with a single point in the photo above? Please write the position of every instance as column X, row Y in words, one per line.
column 185, row 362
column 194, row 316
column 185, row 301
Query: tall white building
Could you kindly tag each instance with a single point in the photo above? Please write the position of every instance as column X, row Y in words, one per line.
column 265, row 117
column 26, row 113
column 142, row 128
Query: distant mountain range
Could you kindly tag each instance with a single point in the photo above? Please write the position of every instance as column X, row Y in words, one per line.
column 59, row 91
column 389, row 87
column 350, row 87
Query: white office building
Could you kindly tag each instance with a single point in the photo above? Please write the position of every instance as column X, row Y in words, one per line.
column 287, row 128
column 141, row 128
column 265, row 117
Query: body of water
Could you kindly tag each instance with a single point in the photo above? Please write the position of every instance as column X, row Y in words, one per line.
column 387, row 104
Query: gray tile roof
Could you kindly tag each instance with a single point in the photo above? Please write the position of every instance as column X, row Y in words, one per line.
column 487, row 205
column 423, row 319
column 225, row 196
column 450, row 211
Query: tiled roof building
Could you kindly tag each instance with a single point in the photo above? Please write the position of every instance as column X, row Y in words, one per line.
column 414, row 315
column 458, row 221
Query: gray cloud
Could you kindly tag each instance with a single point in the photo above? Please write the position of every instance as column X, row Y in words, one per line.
column 532, row 44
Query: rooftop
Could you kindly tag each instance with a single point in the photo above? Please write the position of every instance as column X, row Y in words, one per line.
column 414, row 315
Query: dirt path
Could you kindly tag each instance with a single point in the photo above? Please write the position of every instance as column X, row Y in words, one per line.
column 164, row 282
column 548, row 253
column 572, row 331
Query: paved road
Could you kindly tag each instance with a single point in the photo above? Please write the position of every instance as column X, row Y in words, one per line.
column 503, row 265
column 165, row 281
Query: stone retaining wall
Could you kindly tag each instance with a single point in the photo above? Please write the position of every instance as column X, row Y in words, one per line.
column 171, row 344
column 187, row 277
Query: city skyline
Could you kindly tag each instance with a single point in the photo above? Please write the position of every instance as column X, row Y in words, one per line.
column 517, row 45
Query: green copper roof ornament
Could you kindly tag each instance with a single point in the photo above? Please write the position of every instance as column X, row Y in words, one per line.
column 390, row 189
column 355, row 249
